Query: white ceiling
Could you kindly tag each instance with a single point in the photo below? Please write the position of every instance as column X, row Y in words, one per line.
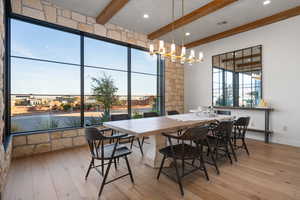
column 131, row 15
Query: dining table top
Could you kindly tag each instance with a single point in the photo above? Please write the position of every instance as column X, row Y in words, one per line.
column 157, row 125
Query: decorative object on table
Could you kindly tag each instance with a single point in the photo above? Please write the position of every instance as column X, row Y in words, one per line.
column 263, row 104
column 199, row 109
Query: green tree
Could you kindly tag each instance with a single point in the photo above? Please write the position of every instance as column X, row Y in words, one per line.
column 66, row 107
column 105, row 91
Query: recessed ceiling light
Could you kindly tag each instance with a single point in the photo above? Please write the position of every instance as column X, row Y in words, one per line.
column 222, row 23
column 146, row 16
column 266, row 2
column 187, row 34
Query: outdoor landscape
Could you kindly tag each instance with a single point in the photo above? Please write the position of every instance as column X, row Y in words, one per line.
column 36, row 112
column 31, row 112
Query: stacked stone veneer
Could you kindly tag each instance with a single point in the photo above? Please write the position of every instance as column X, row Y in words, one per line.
column 24, row 145
column 45, row 10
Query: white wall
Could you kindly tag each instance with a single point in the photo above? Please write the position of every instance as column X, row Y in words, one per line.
column 281, row 76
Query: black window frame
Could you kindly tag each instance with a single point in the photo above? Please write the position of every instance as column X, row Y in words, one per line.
column 235, row 79
column 6, row 71
column 160, row 70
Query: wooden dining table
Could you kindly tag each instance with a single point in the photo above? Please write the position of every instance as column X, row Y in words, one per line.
column 154, row 126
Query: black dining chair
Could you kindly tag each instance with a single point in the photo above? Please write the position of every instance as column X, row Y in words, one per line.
column 109, row 153
column 185, row 152
column 150, row 114
column 220, row 140
column 129, row 138
column 172, row 112
column 147, row 115
column 175, row 112
column 240, row 127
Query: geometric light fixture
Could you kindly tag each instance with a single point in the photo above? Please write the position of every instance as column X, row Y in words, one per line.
column 171, row 54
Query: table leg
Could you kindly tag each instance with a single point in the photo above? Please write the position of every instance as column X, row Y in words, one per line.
column 152, row 156
column 267, row 126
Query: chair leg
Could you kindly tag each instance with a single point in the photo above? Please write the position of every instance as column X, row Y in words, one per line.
column 227, row 152
column 105, row 177
column 208, row 150
column 129, row 169
column 202, row 164
column 143, row 140
column 102, row 167
column 182, row 167
column 178, row 177
column 216, row 150
column 212, row 157
column 245, row 146
column 115, row 162
column 140, row 145
column 234, row 139
column 233, row 151
column 131, row 143
column 161, row 166
column 89, row 169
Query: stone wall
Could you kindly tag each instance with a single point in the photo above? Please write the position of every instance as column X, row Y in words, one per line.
column 5, row 154
column 25, row 145
column 47, row 11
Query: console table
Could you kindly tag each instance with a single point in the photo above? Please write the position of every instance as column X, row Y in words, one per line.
column 267, row 112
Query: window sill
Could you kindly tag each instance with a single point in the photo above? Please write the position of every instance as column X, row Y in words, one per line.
column 45, row 131
column 243, row 108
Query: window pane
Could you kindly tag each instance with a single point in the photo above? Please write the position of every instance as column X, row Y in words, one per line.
column 94, row 108
column 36, row 77
column 144, row 94
column 119, row 79
column 103, row 54
column 34, row 112
column 34, row 41
column 142, row 61
column 143, row 85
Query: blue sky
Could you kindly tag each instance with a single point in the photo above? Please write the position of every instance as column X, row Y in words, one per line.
column 35, row 77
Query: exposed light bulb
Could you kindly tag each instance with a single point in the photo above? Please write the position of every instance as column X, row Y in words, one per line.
column 151, row 49
column 183, row 51
column 161, row 47
column 146, row 16
column 192, row 54
column 173, row 48
column 201, row 56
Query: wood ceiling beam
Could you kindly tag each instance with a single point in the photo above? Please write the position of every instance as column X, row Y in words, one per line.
column 194, row 15
column 110, row 10
column 247, row 27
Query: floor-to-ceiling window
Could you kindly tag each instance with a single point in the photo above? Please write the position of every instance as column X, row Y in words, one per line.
column 52, row 69
column 144, row 83
column 45, row 78
column 103, row 59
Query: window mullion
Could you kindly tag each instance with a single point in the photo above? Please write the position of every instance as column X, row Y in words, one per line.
column 82, row 80
column 129, row 81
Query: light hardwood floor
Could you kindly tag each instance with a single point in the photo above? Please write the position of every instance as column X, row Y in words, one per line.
column 271, row 172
